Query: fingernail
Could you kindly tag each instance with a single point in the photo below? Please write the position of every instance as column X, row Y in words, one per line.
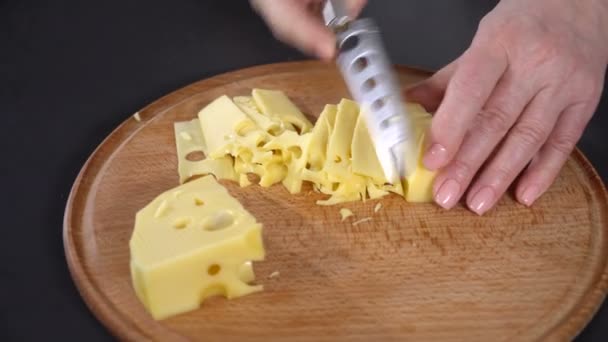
column 529, row 195
column 435, row 157
column 447, row 195
column 482, row 201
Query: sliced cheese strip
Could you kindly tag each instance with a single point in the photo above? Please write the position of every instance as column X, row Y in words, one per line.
column 419, row 185
column 365, row 160
column 221, row 121
column 317, row 151
column 275, row 103
column 198, row 246
column 270, row 125
column 340, row 141
column 189, row 139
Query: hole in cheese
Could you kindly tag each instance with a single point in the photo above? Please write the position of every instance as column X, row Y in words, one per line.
column 334, row 186
column 261, row 143
column 253, row 177
column 213, row 290
column 296, row 151
column 214, row 269
column 195, row 156
column 182, row 222
column 218, row 221
column 198, row 202
column 337, row 159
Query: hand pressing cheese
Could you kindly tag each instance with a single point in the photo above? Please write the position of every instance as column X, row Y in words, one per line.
column 190, row 243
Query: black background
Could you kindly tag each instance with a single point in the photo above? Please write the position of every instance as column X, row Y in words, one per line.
column 70, row 71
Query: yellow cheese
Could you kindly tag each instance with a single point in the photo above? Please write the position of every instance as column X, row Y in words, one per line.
column 365, row 160
column 270, row 125
column 340, row 141
column 199, row 245
column 256, row 135
column 275, row 103
column 317, row 151
column 221, row 122
column 345, row 213
column 189, row 139
column 419, row 185
column 378, row 207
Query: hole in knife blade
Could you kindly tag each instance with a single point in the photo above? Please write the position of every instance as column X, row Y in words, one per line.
column 369, row 84
column 360, row 64
column 378, row 104
column 349, row 44
column 388, row 122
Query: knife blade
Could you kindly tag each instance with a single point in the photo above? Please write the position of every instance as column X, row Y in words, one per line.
column 371, row 80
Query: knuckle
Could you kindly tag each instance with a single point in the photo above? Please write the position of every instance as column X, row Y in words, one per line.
column 461, row 170
column 530, row 133
column 494, row 120
column 467, row 89
column 563, row 143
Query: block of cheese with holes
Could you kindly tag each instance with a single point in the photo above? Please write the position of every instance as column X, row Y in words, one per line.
column 190, row 243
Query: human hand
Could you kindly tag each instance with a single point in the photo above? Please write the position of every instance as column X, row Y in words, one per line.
column 518, row 99
column 299, row 23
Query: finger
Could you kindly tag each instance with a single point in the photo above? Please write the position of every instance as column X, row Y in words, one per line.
column 294, row 23
column 545, row 167
column 354, row 7
column 430, row 91
column 474, row 79
column 488, row 129
column 521, row 144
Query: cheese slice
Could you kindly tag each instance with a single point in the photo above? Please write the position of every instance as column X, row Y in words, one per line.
column 419, row 185
column 270, row 125
column 317, row 150
column 275, row 103
column 190, row 243
column 189, row 140
column 221, row 122
column 339, row 145
column 365, row 160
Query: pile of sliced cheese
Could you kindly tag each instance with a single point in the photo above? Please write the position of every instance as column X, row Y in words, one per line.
column 195, row 240
column 266, row 135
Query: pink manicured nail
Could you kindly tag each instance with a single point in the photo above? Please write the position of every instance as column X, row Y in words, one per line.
column 529, row 195
column 447, row 195
column 482, row 201
column 435, row 157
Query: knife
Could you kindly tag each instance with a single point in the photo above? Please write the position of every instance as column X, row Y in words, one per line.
column 371, row 80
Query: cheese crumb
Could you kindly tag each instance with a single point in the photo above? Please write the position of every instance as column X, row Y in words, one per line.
column 378, row 207
column 185, row 136
column 362, row 221
column 274, row 274
column 137, row 117
column 345, row 213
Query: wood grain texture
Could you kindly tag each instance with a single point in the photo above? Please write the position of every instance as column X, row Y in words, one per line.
column 414, row 272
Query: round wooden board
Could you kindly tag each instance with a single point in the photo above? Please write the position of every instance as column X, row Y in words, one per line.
column 414, row 272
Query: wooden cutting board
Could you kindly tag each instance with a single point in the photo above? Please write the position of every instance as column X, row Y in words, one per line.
column 414, row 272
